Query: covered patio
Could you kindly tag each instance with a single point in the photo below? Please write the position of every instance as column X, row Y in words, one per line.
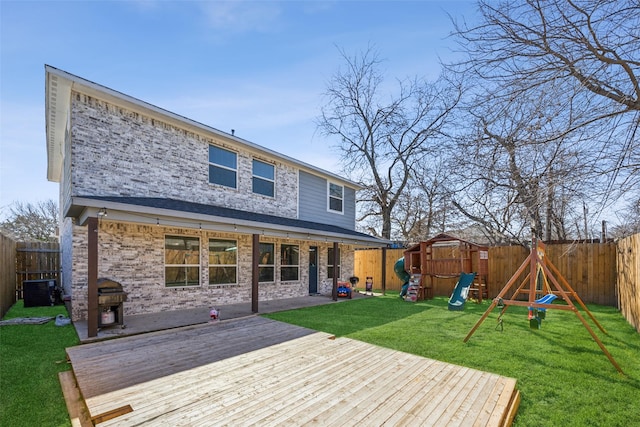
column 152, row 322
column 138, row 242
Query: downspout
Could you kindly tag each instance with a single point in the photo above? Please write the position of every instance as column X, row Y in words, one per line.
column 92, row 279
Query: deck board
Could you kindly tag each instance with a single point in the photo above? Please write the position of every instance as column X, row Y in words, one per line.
column 238, row 380
column 257, row 371
column 306, row 388
column 181, row 388
column 349, row 380
column 170, row 352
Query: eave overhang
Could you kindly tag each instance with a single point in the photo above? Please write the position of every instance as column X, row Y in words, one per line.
column 58, row 87
column 174, row 213
column 57, row 110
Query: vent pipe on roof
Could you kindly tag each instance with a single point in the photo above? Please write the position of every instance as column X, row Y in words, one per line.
column 233, row 132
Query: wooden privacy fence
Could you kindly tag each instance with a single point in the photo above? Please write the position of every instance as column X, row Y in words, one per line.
column 368, row 263
column 36, row 261
column 22, row 261
column 628, row 262
column 589, row 268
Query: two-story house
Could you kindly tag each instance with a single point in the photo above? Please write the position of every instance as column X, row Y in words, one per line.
column 183, row 215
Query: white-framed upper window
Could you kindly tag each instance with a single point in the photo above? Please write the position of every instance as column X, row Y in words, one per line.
column 335, row 198
column 223, row 262
column 223, row 167
column 181, row 261
column 289, row 262
column 263, row 178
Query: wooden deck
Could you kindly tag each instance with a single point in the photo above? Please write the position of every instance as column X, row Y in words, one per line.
column 256, row 371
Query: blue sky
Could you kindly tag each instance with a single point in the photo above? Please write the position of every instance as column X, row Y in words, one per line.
column 259, row 67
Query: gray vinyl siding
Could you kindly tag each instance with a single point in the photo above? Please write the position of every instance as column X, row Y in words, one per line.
column 313, row 202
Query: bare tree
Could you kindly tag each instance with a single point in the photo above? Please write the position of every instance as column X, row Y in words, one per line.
column 595, row 43
column 381, row 134
column 520, row 171
column 424, row 208
column 583, row 55
column 29, row 221
column 630, row 221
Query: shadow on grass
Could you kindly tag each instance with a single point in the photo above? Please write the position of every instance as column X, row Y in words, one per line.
column 353, row 316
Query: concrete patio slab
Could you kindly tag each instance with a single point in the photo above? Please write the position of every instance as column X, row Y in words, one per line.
column 141, row 323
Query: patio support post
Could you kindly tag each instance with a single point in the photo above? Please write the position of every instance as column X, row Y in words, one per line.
column 92, row 279
column 335, row 261
column 255, row 270
column 384, row 271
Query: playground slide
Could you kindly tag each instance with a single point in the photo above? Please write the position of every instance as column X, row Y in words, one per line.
column 402, row 274
column 461, row 291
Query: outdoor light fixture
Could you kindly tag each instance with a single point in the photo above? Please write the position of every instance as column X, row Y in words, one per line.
column 102, row 212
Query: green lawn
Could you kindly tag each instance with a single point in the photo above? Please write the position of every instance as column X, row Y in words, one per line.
column 563, row 376
column 30, row 358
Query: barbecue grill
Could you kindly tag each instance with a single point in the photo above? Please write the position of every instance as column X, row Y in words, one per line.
column 111, row 298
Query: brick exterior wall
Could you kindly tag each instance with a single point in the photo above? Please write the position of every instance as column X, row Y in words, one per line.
column 133, row 255
column 116, row 152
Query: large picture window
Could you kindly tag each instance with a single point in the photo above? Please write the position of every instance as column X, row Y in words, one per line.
column 263, row 178
column 336, row 198
column 181, row 261
column 266, row 267
column 330, row 267
column 223, row 262
column 289, row 262
column 223, row 166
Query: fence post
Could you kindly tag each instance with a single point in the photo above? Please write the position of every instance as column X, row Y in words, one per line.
column 7, row 273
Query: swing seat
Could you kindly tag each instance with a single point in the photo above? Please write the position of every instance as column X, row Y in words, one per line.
column 539, row 313
column 547, row 299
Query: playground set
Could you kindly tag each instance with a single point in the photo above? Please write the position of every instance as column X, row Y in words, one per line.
column 444, row 257
column 542, row 284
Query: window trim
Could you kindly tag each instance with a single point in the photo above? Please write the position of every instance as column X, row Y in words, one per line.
column 186, row 266
column 283, row 265
column 329, row 197
column 272, row 266
column 262, row 178
column 220, row 166
column 210, row 265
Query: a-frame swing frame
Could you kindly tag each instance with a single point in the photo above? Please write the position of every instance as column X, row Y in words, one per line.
column 537, row 261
